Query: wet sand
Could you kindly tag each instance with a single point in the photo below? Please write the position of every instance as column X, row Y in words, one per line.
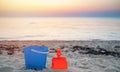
column 20, row 44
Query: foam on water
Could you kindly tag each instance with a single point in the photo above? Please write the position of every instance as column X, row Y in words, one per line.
column 59, row 28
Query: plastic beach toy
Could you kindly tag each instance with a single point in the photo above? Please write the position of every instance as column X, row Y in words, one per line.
column 35, row 57
column 59, row 62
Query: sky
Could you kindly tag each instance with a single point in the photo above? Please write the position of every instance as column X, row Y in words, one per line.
column 108, row 8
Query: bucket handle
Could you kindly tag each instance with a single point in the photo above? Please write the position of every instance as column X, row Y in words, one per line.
column 33, row 50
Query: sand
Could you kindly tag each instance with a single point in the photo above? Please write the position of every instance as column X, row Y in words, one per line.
column 77, row 62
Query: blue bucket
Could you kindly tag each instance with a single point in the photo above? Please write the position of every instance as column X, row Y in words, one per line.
column 35, row 57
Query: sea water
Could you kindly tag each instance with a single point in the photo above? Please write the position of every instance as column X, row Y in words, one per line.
column 59, row 28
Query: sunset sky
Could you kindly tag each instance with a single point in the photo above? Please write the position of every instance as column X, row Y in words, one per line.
column 60, row 8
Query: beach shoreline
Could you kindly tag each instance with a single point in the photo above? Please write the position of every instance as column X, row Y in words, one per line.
column 102, row 47
column 107, row 44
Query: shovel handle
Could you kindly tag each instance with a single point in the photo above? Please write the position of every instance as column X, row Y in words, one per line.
column 58, row 52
